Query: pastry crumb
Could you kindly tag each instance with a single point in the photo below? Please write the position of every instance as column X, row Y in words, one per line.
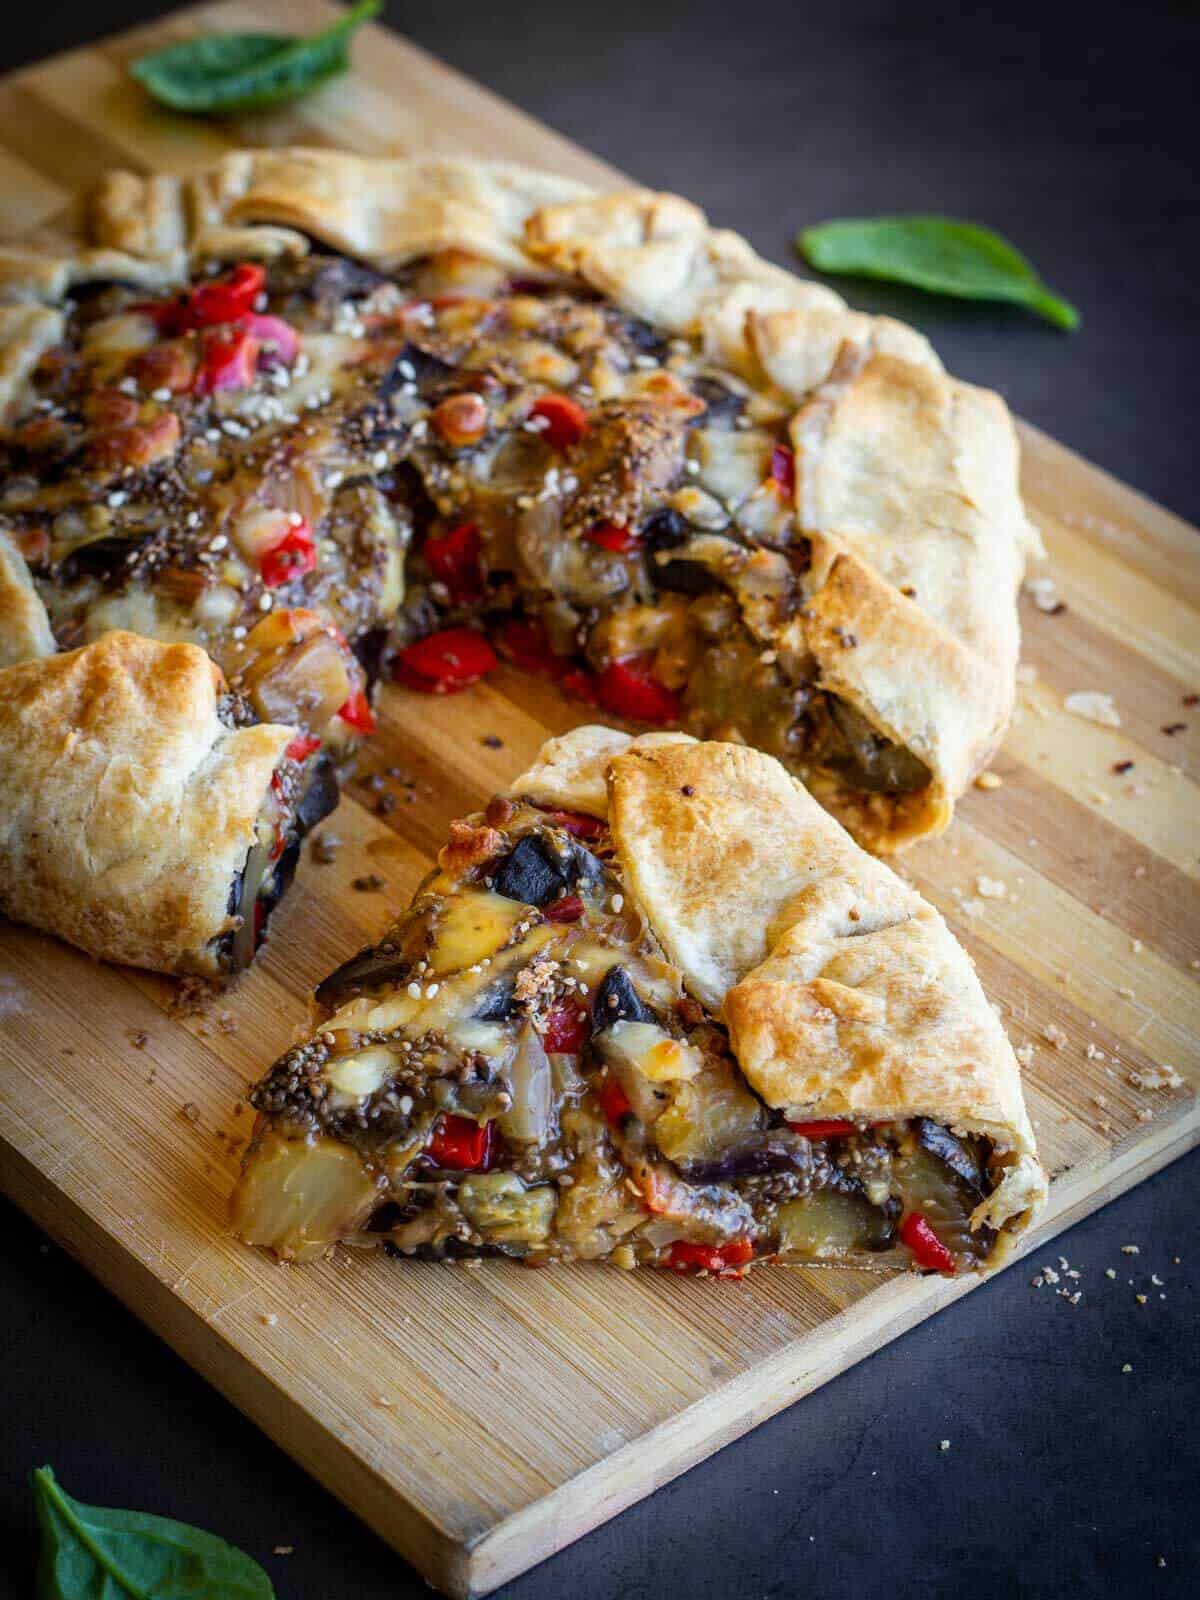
column 283, row 1549
column 1024, row 1054
column 190, row 1110
column 368, row 883
column 324, row 848
column 1055, row 1036
column 1044, row 594
column 1155, row 1077
column 1093, row 706
column 1130, row 1250
column 991, row 888
column 989, row 780
column 268, row 1319
column 943, row 1444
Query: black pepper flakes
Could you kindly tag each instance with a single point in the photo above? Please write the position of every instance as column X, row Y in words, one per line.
column 492, row 740
column 1172, row 728
column 1122, row 766
column 688, row 790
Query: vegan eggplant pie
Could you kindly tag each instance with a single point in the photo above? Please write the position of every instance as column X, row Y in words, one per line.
column 332, row 418
column 654, row 1007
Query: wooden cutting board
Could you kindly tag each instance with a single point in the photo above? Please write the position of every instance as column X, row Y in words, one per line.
column 480, row 1418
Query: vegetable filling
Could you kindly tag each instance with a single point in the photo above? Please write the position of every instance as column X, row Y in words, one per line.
column 314, row 469
column 516, row 1069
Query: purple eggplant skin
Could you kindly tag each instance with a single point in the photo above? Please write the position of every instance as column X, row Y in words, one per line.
column 958, row 1154
column 776, row 1150
column 380, row 963
column 618, row 1001
column 531, row 872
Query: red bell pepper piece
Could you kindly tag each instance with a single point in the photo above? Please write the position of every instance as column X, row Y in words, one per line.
column 576, row 823
column 928, row 1250
column 226, row 298
column 580, row 685
column 218, row 300
column 229, row 361
column 525, row 642
column 464, row 1145
column 301, row 747
column 566, row 1030
column 614, row 1102
column 568, row 909
column 453, row 558
column 293, row 557
column 687, row 1257
column 823, row 1130
column 357, row 712
column 629, row 689
column 445, row 662
column 610, row 536
column 564, row 420
column 783, row 471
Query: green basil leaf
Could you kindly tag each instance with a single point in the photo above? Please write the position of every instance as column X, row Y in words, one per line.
column 938, row 254
column 229, row 72
column 91, row 1553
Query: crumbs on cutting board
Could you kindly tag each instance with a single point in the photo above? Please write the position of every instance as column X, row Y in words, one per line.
column 12, row 997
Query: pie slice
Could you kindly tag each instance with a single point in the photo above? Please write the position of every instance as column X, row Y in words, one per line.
column 493, row 413
column 145, row 815
column 654, row 1007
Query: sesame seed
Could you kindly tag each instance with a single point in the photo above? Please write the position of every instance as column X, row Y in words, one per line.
column 379, row 460
column 617, row 901
column 431, row 991
column 414, row 991
column 117, row 498
column 265, row 601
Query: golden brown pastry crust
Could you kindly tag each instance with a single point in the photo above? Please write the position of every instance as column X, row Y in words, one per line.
column 906, row 481
column 127, row 807
column 844, row 992
column 24, row 626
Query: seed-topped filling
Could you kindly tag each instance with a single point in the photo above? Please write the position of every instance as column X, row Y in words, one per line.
column 322, row 473
column 516, row 1069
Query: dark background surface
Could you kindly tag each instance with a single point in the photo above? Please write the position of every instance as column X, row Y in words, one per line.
column 1073, row 133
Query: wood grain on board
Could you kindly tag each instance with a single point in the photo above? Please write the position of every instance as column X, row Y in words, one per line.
column 480, row 1418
